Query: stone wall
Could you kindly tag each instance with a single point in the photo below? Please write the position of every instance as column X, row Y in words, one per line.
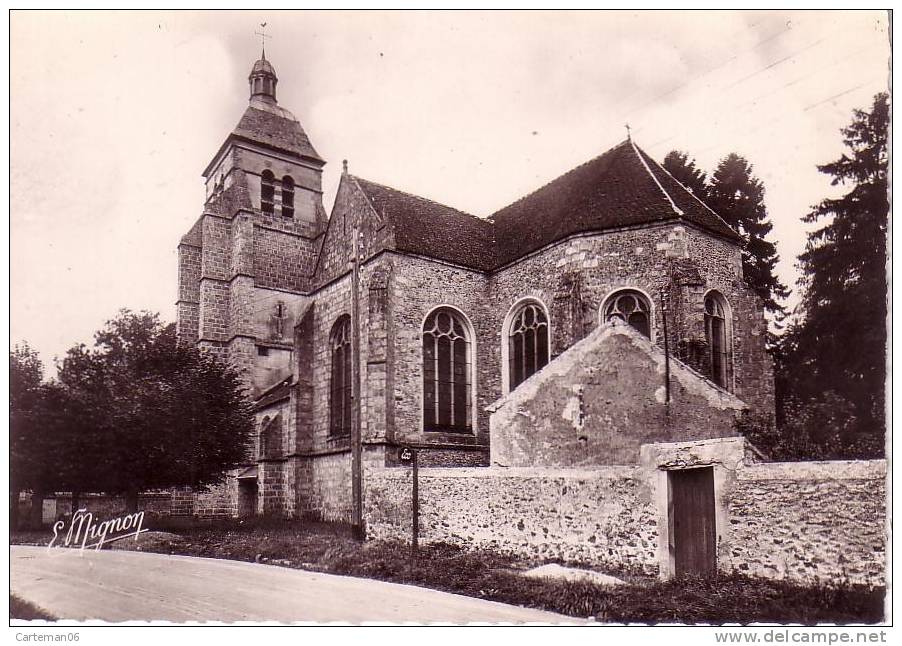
column 601, row 400
column 603, row 517
column 809, row 521
column 575, row 277
column 805, row 522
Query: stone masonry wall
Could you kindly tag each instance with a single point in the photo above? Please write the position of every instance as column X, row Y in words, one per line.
column 603, row 517
column 575, row 277
column 601, row 400
column 809, row 521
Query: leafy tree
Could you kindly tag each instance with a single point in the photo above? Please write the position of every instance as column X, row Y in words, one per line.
column 738, row 197
column 684, row 170
column 154, row 413
column 26, row 374
column 840, row 343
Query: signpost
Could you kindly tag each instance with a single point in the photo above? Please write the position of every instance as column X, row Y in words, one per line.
column 409, row 456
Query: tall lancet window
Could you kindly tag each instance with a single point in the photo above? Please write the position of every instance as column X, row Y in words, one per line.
column 267, row 192
column 630, row 307
column 340, row 379
column 716, row 335
column 447, row 373
column 288, row 196
column 527, row 343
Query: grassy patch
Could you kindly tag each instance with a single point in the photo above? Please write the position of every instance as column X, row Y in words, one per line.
column 21, row 609
column 487, row 575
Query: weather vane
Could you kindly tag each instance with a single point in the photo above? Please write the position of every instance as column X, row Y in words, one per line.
column 263, row 36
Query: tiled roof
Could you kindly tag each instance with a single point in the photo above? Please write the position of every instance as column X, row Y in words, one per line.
column 276, row 393
column 611, row 191
column 270, row 127
column 621, row 188
column 425, row 227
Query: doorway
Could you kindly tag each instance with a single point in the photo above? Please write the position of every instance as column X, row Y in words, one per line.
column 693, row 529
column 247, row 497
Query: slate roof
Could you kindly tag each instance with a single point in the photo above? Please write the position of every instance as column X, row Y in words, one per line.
column 431, row 229
column 622, row 187
column 274, row 128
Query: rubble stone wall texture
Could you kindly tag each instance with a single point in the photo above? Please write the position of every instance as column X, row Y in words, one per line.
column 574, row 278
column 603, row 517
column 809, row 521
column 804, row 522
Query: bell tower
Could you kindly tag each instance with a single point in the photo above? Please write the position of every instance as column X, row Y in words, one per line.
column 245, row 267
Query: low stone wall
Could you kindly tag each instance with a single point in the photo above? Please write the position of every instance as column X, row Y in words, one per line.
column 603, row 517
column 809, row 521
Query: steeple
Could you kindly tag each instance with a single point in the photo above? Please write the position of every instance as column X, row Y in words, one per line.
column 262, row 80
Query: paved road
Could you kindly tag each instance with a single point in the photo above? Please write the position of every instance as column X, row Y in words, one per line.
column 119, row 586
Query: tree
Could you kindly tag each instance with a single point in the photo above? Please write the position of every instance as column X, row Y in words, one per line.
column 154, row 413
column 26, row 374
column 738, row 197
column 684, row 170
column 839, row 344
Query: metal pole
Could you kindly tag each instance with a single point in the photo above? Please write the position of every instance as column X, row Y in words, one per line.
column 416, row 506
column 666, row 348
column 356, row 440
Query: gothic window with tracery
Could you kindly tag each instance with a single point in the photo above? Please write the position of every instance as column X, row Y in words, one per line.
column 630, row 307
column 288, row 196
column 447, row 373
column 340, row 379
column 527, row 343
column 718, row 341
column 267, row 192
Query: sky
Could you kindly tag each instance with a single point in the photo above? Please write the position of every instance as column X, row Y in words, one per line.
column 114, row 115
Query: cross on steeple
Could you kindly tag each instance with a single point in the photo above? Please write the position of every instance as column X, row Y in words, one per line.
column 263, row 36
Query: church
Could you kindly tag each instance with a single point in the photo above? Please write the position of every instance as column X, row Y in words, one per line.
column 396, row 321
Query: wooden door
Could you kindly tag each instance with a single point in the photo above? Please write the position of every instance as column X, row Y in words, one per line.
column 692, row 521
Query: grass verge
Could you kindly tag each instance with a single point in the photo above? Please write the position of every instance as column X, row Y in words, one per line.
column 21, row 609
column 329, row 548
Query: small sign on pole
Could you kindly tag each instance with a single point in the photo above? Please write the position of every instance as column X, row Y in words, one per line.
column 409, row 456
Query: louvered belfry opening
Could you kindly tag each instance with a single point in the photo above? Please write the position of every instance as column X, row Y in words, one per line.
column 446, row 373
column 630, row 307
column 340, row 378
column 716, row 336
column 288, row 196
column 527, row 343
column 267, row 192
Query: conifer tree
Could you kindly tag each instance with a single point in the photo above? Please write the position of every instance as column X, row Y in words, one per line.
column 684, row 170
column 839, row 345
column 738, row 197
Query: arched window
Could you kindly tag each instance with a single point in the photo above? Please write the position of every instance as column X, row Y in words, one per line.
column 267, row 191
column 271, row 438
column 717, row 338
column 340, row 380
column 527, row 343
column 288, row 196
column 446, row 373
column 630, row 307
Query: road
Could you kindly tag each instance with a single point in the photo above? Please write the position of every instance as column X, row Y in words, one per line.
column 116, row 586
